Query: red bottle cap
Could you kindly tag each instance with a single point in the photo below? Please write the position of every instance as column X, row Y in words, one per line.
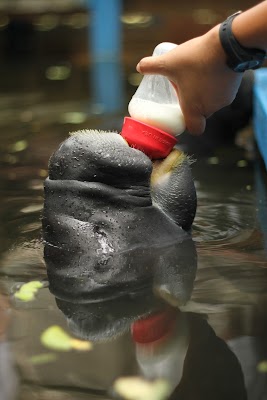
column 152, row 141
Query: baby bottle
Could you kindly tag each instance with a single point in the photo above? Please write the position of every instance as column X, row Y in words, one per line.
column 156, row 117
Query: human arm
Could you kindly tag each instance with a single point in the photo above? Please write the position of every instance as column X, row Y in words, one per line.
column 250, row 27
column 198, row 69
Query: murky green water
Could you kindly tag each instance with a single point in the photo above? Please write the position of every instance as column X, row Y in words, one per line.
column 211, row 347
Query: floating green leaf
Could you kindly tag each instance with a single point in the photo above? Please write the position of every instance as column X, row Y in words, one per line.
column 74, row 117
column 19, row 146
column 136, row 388
column 58, row 72
column 262, row 367
column 213, row 160
column 27, row 291
column 56, row 338
column 44, row 358
column 242, row 163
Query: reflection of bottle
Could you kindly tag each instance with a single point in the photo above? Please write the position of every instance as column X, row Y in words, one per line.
column 161, row 341
column 156, row 114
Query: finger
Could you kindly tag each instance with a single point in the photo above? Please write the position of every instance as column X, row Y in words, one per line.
column 195, row 123
column 152, row 65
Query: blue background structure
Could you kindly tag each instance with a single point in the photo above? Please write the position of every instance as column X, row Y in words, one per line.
column 105, row 49
column 260, row 111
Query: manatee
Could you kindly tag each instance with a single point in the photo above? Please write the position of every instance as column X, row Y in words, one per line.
column 110, row 214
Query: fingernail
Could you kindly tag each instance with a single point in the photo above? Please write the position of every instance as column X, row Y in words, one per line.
column 138, row 67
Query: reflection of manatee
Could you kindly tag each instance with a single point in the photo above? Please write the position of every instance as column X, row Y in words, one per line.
column 171, row 275
column 106, row 320
column 99, row 223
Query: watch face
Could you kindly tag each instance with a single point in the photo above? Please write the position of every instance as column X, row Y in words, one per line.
column 253, row 64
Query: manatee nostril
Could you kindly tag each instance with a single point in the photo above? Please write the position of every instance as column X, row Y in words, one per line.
column 102, row 264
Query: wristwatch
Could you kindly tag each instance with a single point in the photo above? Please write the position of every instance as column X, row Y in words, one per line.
column 239, row 58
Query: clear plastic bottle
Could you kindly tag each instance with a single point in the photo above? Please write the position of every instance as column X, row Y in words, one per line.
column 154, row 105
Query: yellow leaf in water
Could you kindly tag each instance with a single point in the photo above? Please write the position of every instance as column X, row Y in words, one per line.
column 28, row 290
column 242, row 163
column 213, row 160
column 81, row 345
column 40, row 359
column 19, row 146
column 56, row 338
column 136, row 388
column 262, row 367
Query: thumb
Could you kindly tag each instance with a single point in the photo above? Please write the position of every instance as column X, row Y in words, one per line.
column 152, row 65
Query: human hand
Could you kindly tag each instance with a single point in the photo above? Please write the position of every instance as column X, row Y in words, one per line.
column 198, row 71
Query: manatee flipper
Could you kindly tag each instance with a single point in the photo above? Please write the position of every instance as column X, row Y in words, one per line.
column 173, row 190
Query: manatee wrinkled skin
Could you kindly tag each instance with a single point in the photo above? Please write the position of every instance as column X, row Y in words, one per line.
column 103, row 225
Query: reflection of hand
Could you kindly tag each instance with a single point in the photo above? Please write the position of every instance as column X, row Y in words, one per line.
column 198, row 71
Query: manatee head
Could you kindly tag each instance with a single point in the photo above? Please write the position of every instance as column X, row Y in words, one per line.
column 99, row 156
column 108, row 218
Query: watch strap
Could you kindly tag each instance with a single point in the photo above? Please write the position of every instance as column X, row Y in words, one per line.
column 239, row 58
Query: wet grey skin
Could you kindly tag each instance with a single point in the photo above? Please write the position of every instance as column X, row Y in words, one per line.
column 112, row 217
column 106, row 320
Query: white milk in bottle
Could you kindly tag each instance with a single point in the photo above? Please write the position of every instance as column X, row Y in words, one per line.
column 156, row 103
column 156, row 116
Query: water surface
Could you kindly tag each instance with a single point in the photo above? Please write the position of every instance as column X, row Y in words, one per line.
column 209, row 347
